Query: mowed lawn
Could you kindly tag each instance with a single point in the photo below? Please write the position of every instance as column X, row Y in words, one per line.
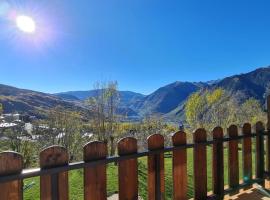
column 76, row 177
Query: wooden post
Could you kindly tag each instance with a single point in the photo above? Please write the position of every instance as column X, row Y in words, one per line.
column 179, row 167
column 233, row 162
column 200, row 165
column 218, row 163
column 267, row 183
column 156, row 185
column 128, row 170
column 55, row 186
column 259, row 150
column 247, row 153
column 95, row 186
column 11, row 163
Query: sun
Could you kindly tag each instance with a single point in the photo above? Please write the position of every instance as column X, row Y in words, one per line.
column 26, row 24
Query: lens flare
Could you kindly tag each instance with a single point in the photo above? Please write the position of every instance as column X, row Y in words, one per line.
column 26, row 24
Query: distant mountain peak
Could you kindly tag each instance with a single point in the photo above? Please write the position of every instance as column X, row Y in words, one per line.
column 168, row 100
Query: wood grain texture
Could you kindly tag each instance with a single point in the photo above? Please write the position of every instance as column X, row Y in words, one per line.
column 259, row 127
column 50, row 157
column 95, row 181
column 218, row 163
column 247, row 153
column 233, row 160
column 268, row 142
column 11, row 163
column 179, row 167
column 268, row 112
column 128, row 170
column 156, row 168
column 200, row 165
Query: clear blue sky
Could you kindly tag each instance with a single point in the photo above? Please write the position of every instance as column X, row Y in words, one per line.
column 143, row 44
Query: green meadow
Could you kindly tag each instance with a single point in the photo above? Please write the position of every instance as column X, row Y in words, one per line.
column 76, row 177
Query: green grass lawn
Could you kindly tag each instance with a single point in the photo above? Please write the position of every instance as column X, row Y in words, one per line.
column 76, row 177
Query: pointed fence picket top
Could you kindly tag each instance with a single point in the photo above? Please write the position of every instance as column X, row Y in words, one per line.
column 259, row 128
column 233, row 160
column 54, row 186
column 128, row 170
column 11, row 163
column 179, row 167
column 247, row 153
column 156, row 184
column 95, row 185
column 218, row 163
column 200, row 165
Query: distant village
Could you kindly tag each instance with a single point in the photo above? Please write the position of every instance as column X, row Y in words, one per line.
column 23, row 125
column 11, row 121
column 16, row 122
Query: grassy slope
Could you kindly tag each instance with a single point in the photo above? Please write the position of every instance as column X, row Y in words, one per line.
column 76, row 181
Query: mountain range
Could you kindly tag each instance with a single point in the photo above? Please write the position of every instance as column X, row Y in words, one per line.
column 167, row 101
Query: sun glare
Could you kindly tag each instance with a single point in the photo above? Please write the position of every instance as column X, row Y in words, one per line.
column 26, row 24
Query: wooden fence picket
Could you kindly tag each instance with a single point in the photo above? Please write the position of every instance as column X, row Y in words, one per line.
column 218, row 163
column 11, row 163
column 156, row 184
column 233, row 158
column 247, row 153
column 179, row 167
column 95, row 185
column 200, row 165
column 259, row 150
column 267, row 185
column 55, row 186
column 128, row 170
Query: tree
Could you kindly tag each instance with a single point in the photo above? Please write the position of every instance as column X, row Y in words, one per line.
column 20, row 141
column 103, row 107
column 251, row 111
column 112, row 96
column 194, row 109
column 152, row 124
column 222, row 109
column 218, row 107
column 212, row 108
column 62, row 127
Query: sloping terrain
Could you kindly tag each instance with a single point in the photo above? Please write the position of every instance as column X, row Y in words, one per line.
column 167, row 101
column 31, row 102
column 167, row 98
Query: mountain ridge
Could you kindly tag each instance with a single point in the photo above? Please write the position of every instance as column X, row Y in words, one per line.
column 167, row 101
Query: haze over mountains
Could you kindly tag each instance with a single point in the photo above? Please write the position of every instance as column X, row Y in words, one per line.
column 167, row 101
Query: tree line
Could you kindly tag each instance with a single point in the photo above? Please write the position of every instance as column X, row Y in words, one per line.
column 211, row 108
column 103, row 122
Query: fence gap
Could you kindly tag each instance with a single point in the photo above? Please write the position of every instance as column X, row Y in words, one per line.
column 156, row 184
column 200, row 165
column 128, row 170
column 179, row 167
column 55, row 186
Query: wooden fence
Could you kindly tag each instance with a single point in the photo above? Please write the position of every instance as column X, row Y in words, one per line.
column 54, row 166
